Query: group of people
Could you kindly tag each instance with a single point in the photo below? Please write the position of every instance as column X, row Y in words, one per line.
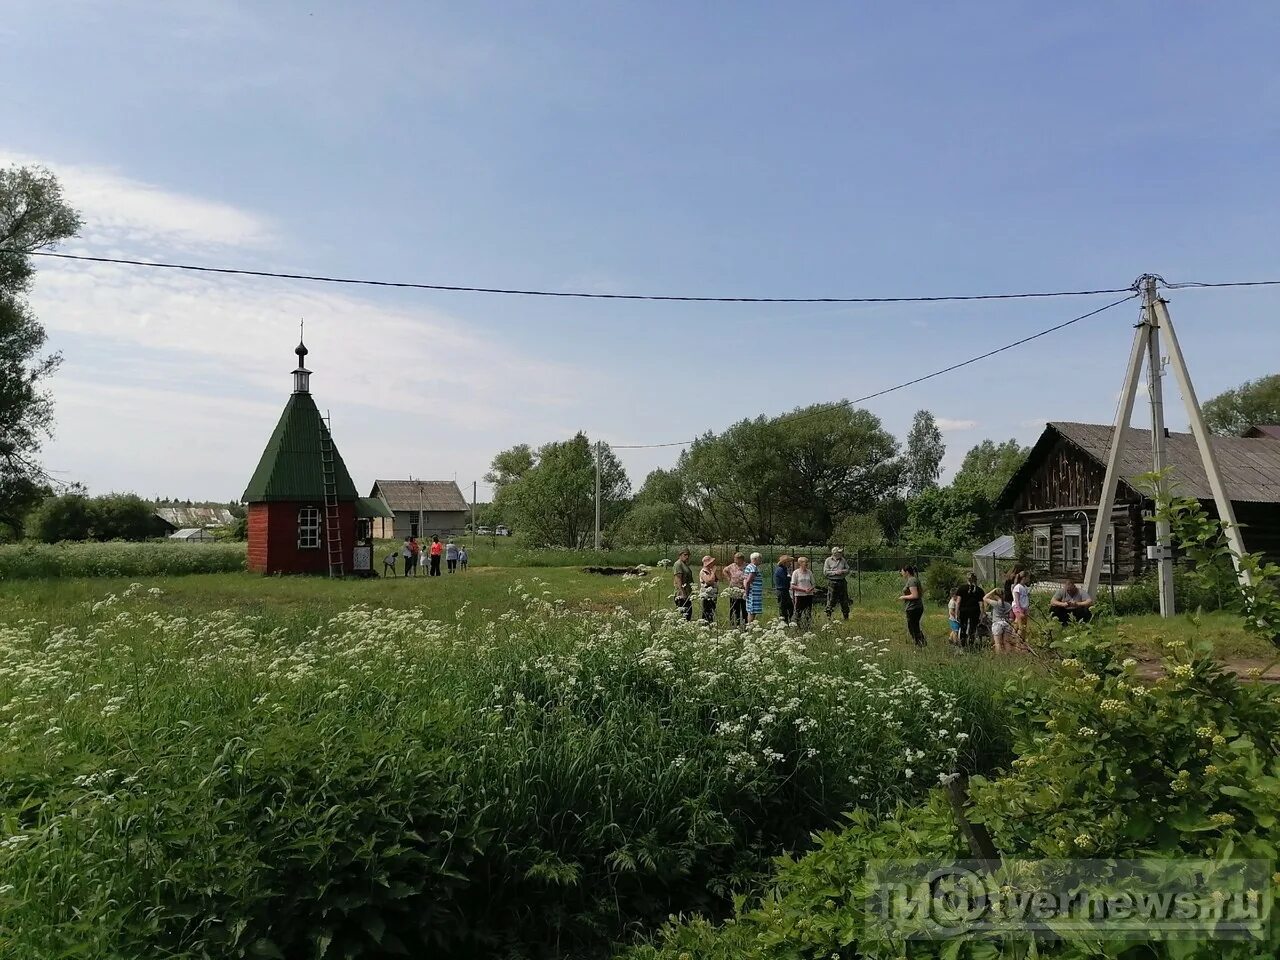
column 743, row 580
column 1009, row 607
column 411, row 553
column 795, row 586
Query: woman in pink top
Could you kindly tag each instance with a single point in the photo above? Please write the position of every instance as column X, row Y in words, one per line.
column 735, row 576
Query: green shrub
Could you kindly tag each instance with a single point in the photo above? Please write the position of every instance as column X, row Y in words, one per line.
column 940, row 578
column 38, row 561
column 65, row 517
column 1109, row 767
column 536, row 784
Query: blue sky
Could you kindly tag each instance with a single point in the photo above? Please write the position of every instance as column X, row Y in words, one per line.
column 823, row 149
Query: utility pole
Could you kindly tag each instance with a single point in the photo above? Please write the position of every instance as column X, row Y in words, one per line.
column 1155, row 374
column 597, row 496
column 473, row 512
column 1146, row 345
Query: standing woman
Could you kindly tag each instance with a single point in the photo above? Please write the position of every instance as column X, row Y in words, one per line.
column 753, row 584
column 1021, row 605
column 437, row 548
column 708, row 580
column 734, row 574
column 782, row 587
column 913, row 604
column 802, row 590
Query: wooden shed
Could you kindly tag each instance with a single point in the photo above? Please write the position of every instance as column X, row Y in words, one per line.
column 304, row 512
column 1054, row 495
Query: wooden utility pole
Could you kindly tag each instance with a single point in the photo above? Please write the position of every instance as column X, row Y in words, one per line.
column 597, row 496
column 473, row 512
column 1146, row 346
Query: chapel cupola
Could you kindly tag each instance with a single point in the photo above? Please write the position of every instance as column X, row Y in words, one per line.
column 301, row 375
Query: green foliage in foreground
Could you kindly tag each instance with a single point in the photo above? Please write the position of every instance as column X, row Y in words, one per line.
column 532, row 784
column 1108, row 767
column 40, row 561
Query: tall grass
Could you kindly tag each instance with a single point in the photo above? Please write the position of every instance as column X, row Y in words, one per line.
column 35, row 561
column 534, row 783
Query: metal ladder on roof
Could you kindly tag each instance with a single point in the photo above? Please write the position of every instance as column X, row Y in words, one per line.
column 332, row 520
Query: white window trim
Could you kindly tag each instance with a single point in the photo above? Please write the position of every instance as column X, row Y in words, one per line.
column 1072, row 531
column 1109, row 549
column 308, row 529
column 1047, row 533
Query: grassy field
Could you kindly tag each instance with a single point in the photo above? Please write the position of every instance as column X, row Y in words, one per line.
column 489, row 588
column 511, row 761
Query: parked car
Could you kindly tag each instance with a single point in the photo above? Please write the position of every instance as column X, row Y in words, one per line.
column 483, row 531
column 502, row 531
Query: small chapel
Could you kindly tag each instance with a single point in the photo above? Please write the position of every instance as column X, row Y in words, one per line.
column 304, row 512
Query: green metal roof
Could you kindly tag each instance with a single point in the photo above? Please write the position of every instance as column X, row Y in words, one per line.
column 290, row 468
column 372, row 507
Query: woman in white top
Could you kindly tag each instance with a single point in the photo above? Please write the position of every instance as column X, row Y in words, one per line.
column 1001, row 613
column 802, row 590
column 1022, row 604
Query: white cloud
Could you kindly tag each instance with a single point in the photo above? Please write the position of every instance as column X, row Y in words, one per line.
column 118, row 209
column 172, row 381
column 947, row 425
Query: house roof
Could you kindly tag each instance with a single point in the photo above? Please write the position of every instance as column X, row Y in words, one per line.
column 371, row 508
column 1264, row 430
column 290, row 468
column 413, row 495
column 195, row 516
column 1250, row 465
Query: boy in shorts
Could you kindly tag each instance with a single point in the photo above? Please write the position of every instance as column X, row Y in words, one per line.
column 953, row 615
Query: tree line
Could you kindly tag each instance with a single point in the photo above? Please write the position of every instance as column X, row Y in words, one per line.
column 828, row 473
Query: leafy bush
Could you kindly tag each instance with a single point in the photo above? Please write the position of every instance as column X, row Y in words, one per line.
column 114, row 516
column 535, row 784
column 65, row 517
column 1109, row 767
column 940, row 578
column 37, row 561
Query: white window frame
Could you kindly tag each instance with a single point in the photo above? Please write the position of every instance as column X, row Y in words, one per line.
column 1037, row 554
column 309, row 528
column 1070, row 532
column 1109, row 550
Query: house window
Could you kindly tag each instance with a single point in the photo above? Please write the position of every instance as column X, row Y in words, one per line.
column 1040, row 545
column 1109, row 550
column 1072, row 546
column 309, row 528
column 364, row 529
column 414, row 528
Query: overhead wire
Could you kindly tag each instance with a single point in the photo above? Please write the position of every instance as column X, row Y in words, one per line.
column 578, row 294
column 791, row 418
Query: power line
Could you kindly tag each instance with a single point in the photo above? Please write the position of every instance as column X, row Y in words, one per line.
column 1233, row 283
column 515, row 292
column 909, row 383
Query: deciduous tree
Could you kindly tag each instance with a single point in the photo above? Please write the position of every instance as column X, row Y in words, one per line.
column 33, row 216
column 923, row 459
column 1232, row 412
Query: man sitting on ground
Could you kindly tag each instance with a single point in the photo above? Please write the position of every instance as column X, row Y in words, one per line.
column 1071, row 603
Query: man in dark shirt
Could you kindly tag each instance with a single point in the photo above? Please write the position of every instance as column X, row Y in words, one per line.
column 970, row 609
column 836, row 569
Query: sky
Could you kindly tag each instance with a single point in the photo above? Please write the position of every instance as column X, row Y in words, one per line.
column 717, row 149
